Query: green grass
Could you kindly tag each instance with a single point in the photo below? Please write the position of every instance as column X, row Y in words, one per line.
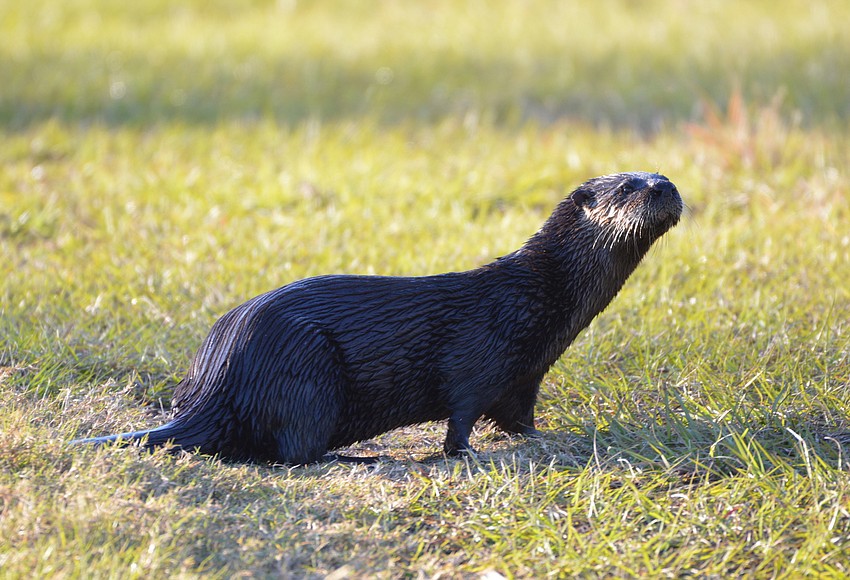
column 162, row 163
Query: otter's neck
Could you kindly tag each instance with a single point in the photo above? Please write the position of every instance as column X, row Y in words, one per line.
column 578, row 275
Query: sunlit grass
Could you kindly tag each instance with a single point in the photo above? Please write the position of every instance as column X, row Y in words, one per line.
column 622, row 64
column 160, row 165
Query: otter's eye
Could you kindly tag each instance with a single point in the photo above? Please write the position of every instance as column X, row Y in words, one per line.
column 627, row 188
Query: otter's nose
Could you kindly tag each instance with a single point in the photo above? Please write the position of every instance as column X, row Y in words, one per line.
column 663, row 188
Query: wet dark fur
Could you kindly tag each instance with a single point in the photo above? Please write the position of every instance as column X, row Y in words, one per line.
column 325, row 362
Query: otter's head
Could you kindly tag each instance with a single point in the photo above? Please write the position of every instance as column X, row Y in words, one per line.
column 634, row 208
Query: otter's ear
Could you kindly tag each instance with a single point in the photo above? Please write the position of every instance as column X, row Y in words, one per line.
column 582, row 197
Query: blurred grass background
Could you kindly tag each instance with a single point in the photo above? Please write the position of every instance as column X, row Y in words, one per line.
column 622, row 64
column 162, row 162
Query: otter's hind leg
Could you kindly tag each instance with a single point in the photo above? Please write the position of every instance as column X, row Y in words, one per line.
column 302, row 380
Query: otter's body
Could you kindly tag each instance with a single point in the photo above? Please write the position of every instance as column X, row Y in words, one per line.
column 328, row 361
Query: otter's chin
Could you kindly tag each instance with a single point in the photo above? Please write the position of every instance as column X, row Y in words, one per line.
column 663, row 212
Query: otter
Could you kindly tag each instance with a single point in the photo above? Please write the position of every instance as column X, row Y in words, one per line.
column 325, row 362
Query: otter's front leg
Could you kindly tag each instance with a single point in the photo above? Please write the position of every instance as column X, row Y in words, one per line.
column 513, row 412
column 457, row 436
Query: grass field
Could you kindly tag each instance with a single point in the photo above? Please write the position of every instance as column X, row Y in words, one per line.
column 163, row 162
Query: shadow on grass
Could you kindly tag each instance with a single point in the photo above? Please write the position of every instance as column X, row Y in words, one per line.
column 704, row 451
column 693, row 450
column 642, row 92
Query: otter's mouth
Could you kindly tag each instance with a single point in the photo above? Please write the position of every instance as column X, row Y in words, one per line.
column 664, row 205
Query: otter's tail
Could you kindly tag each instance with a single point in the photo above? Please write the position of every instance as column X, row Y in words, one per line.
column 151, row 437
column 186, row 433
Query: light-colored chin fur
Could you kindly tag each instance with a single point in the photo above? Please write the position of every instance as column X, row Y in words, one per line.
column 611, row 225
column 614, row 224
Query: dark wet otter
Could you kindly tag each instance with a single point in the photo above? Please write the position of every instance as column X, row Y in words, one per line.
column 328, row 361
